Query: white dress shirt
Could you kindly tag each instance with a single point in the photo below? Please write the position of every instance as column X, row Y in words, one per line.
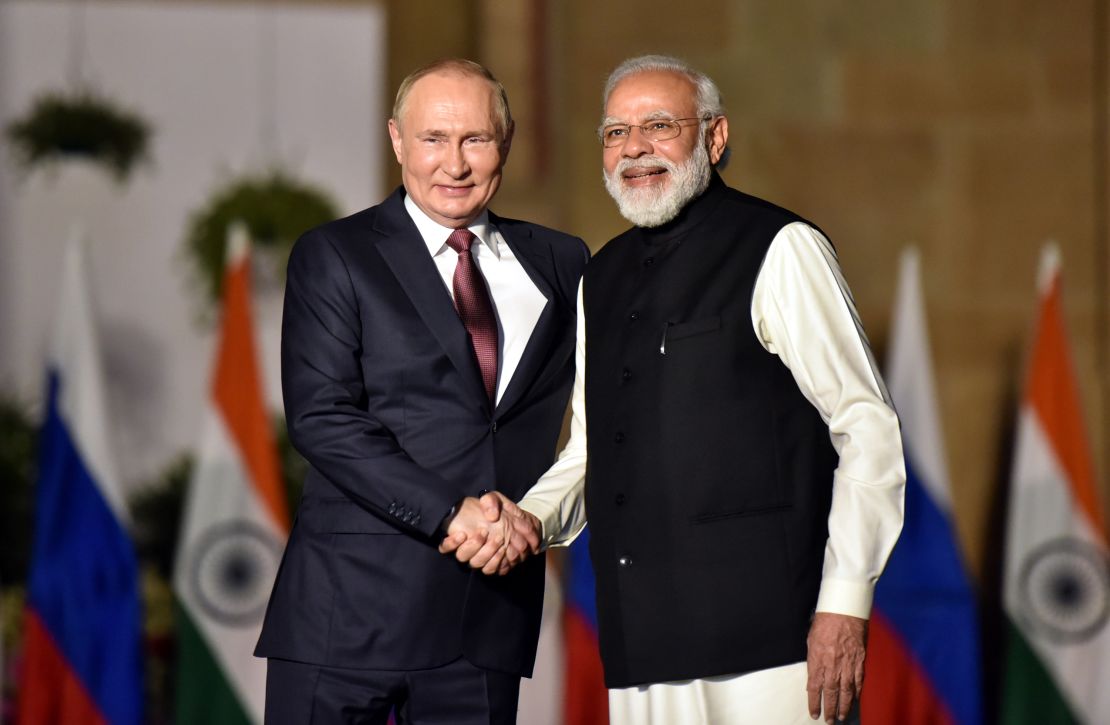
column 802, row 311
column 517, row 302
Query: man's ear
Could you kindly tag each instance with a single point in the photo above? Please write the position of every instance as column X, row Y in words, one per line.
column 395, row 138
column 717, row 139
column 507, row 142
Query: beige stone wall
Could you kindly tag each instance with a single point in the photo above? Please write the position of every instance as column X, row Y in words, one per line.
column 975, row 130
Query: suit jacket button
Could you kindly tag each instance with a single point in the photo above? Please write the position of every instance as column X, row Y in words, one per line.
column 618, row 438
column 634, row 315
column 626, row 374
column 625, row 561
column 494, row 427
column 619, row 499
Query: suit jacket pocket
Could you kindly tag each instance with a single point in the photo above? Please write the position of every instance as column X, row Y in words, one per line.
column 343, row 516
column 679, row 330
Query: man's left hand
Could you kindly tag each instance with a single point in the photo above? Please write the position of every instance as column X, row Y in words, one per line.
column 837, row 644
column 506, row 537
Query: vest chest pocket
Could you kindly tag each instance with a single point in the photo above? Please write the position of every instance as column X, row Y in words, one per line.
column 673, row 331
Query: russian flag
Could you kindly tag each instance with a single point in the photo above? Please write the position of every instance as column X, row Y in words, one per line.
column 82, row 636
column 586, row 701
column 923, row 649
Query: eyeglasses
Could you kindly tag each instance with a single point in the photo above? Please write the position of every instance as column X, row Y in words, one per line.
column 658, row 130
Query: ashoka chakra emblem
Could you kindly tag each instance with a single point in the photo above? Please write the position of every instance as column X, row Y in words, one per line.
column 1065, row 590
column 234, row 571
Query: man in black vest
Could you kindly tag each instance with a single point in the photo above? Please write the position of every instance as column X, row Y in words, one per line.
column 745, row 477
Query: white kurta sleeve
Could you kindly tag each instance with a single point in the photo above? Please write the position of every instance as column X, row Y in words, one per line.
column 557, row 499
column 802, row 311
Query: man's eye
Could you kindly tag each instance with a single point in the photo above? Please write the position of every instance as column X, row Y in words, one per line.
column 658, row 126
column 617, row 132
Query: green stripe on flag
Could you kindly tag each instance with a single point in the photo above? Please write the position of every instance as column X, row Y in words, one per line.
column 1029, row 696
column 203, row 692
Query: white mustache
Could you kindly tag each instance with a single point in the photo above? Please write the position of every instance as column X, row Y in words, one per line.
column 643, row 162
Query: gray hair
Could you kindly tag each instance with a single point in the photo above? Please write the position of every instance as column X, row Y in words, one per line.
column 467, row 68
column 708, row 95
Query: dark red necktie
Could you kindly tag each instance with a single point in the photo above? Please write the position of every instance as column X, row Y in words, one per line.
column 475, row 308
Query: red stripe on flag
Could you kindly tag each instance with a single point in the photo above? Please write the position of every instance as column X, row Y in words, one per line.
column 586, row 701
column 895, row 689
column 50, row 693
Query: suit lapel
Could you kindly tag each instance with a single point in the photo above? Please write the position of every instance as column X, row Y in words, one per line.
column 403, row 249
column 536, row 259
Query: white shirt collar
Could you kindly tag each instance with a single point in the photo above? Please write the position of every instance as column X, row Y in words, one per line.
column 435, row 235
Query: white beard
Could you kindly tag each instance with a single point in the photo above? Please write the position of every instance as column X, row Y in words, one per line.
column 656, row 205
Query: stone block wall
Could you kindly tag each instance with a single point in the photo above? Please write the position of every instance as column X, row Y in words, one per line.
column 974, row 130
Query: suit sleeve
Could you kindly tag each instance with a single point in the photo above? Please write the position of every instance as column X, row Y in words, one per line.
column 325, row 397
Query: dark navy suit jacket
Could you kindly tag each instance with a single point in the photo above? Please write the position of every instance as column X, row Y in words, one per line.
column 384, row 398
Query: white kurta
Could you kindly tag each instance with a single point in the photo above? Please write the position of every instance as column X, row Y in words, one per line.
column 802, row 311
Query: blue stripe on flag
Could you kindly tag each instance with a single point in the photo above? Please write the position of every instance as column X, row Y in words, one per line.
column 84, row 578
column 925, row 593
column 580, row 583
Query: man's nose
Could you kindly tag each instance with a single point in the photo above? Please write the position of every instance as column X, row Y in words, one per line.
column 455, row 163
column 637, row 144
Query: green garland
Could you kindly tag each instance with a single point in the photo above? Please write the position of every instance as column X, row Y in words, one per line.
column 81, row 124
column 276, row 209
column 18, row 438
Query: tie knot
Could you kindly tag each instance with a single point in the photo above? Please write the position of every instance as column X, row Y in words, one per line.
column 460, row 240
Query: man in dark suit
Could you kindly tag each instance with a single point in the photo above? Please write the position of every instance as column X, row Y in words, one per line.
column 427, row 355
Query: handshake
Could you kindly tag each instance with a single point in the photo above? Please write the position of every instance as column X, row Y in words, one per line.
column 492, row 534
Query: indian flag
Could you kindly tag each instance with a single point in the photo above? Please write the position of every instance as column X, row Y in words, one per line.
column 235, row 525
column 1057, row 577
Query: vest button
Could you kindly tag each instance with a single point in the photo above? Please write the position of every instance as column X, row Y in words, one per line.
column 626, row 374
column 634, row 315
column 619, row 499
column 625, row 561
column 649, row 261
column 618, row 438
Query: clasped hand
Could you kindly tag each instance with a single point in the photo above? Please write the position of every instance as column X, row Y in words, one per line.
column 492, row 534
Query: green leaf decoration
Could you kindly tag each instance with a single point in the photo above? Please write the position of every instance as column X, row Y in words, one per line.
column 81, row 124
column 276, row 209
column 18, row 436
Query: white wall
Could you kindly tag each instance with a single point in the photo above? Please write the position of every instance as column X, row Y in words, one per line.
column 199, row 72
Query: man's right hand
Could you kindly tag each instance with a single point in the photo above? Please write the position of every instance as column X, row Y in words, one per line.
column 492, row 534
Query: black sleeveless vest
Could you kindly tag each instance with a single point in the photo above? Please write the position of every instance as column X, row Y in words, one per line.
column 710, row 476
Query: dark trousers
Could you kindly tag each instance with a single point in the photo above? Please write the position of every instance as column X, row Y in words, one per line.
column 455, row 694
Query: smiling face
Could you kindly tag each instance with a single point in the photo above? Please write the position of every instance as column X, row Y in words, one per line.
column 652, row 181
column 449, row 146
